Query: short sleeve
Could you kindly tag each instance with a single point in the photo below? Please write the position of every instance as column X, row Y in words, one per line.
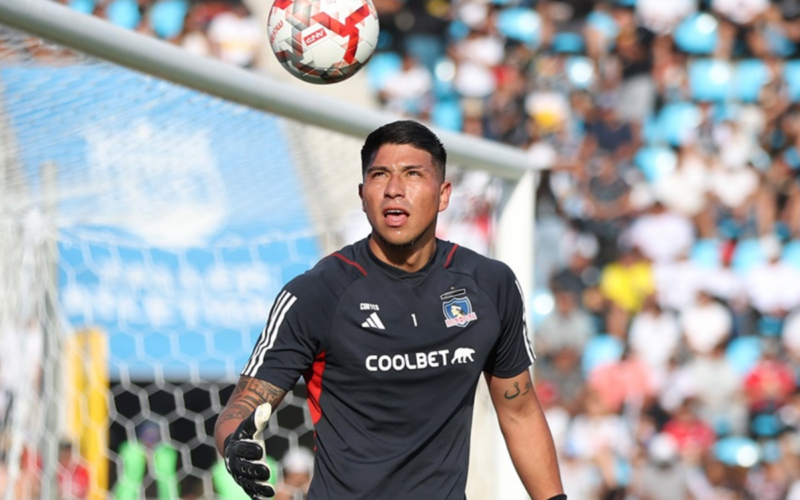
column 292, row 337
column 513, row 351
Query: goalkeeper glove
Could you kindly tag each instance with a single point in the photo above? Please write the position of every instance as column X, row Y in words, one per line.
column 246, row 453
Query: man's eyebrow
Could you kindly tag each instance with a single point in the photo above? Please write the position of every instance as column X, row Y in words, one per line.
column 404, row 168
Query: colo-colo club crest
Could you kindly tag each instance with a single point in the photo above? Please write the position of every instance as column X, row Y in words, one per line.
column 457, row 309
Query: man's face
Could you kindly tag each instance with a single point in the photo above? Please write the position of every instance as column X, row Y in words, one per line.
column 402, row 194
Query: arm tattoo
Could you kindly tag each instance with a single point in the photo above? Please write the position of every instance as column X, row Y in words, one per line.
column 518, row 391
column 249, row 394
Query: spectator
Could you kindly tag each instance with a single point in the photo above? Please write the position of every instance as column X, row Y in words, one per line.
column 298, row 468
column 678, row 282
column 706, row 325
column 661, row 235
column 770, row 383
column 629, row 381
column 627, row 282
column 562, row 371
column 717, row 389
column 691, row 434
column 568, row 326
column 407, row 93
column 654, row 337
column 774, row 286
column 236, row 36
column 72, row 476
column 662, row 476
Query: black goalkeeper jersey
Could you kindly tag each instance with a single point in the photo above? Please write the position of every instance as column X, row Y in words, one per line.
column 392, row 360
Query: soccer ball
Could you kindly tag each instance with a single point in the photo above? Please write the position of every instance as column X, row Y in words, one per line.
column 323, row 41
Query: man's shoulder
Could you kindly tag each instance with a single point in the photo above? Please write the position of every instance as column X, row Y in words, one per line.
column 480, row 267
column 333, row 273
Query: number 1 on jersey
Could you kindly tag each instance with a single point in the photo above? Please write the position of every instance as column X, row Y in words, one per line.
column 414, row 317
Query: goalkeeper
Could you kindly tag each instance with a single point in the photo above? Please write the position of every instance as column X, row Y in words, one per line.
column 392, row 334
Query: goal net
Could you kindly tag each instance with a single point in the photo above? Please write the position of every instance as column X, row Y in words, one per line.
column 145, row 229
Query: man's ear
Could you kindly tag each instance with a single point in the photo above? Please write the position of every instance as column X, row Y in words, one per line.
column 444, row 195
column 361, row 195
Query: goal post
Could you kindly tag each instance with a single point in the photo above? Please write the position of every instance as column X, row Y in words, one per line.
column 187, row 192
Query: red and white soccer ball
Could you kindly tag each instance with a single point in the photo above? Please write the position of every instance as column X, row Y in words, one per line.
column 323, row 41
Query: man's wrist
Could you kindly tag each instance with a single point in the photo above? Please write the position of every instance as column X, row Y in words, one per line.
column 558, row 497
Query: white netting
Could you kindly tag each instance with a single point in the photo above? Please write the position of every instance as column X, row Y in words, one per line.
column 144, row 231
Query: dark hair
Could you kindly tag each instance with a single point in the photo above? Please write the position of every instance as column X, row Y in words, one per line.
column 404, row 132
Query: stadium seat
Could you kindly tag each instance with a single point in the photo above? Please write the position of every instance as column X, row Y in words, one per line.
column 676, row 122
column 705, row 253
column 381, row 68
column 600, row 350
column 167, row 17
column 749, row 77
column 568, row 43
column 83, row 6
column 742, row 353
column 521, row 24
column 791, row 73
column 710, row 79
column 655, row 161
column 603, row 22
column 124, row 13
column 738, row 451
column 748, row 253
column 697, row 34
column 458, row 30
column 770, row 326
column 448, row 115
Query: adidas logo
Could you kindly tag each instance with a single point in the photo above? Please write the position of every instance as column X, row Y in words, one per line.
column 373, row 321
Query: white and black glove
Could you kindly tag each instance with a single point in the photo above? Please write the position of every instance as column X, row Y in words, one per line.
column 246, row 454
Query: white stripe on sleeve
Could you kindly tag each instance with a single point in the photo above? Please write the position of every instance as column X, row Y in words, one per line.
column 267, row 340
column 526, row 337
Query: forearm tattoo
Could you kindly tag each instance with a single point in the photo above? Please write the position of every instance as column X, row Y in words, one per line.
column 249, row 394
column 517, row 391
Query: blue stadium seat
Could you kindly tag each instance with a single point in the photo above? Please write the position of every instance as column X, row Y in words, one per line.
column 83, row 6
column 448, row 115
column 601, row 349
column 381, row 68
column 603, row 22
column 738, row 451
column 748, row 253
column 568, row 43
column 710, row 79
column 706, row 253
column 742, row 353
column 791, row 253
column 521, row 24
column 124, row 13
column 167, row 16
column 676, row 122
column 655, row 161
column 697, row 34
column 791, row 73
column 458, row 29
column 749, row 77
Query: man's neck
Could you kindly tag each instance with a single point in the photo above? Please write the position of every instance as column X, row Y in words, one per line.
column 409, row 259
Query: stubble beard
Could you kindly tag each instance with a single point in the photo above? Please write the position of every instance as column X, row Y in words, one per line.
column 405, row 245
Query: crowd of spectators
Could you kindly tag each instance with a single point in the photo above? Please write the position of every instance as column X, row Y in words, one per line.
column 668, row 134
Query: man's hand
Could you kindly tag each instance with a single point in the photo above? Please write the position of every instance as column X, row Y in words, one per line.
column 246, row 452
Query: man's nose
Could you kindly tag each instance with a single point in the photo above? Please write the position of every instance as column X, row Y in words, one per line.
column 394, row 187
